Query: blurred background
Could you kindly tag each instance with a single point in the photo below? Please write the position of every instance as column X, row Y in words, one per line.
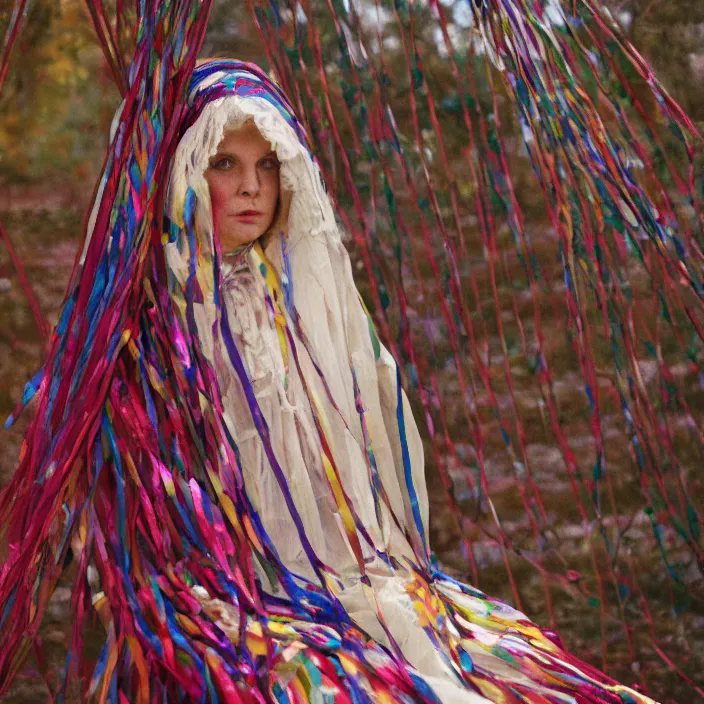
column 55, row 113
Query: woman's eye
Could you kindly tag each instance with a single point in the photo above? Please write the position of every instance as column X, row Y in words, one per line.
column 270, row 163
column 222, row 164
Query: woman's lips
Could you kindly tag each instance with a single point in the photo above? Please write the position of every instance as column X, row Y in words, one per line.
column 248, row 215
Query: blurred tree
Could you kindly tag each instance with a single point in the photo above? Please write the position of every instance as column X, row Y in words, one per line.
column 670, row 34
column 231, row 33
column 58, row 98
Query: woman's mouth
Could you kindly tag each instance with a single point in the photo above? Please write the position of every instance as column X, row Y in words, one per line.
column 248, row 215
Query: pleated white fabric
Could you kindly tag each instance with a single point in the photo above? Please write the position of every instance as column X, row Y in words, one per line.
column 289, row 418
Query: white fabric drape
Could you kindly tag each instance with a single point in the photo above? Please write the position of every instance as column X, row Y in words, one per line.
column 287, row 413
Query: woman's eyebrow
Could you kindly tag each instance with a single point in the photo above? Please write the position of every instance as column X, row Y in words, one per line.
column 234, row 156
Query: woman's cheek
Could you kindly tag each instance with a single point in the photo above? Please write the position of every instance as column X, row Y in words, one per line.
column 218, row 199
column 273, row 189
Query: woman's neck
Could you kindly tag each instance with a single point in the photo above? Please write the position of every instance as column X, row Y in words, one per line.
column 237, row 255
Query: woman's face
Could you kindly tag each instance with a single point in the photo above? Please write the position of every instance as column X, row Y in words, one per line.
column 243, row 177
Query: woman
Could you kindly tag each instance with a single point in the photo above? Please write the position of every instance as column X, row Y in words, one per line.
column 254, row 515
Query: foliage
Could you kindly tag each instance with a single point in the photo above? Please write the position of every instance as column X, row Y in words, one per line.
column 58, row 98
column 670, row 34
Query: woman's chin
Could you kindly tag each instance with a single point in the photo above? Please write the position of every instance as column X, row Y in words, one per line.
column 243, row 237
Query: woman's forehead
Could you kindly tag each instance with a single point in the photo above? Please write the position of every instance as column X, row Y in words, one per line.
column 246, row 139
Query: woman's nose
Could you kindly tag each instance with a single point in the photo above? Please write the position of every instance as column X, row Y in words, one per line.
column 249, row 185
